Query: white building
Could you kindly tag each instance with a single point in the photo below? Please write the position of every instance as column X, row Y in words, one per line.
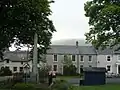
column 81, row 56
column 15, row 60
column 110, row 59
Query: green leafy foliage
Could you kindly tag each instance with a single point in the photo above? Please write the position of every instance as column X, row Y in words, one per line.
column 67, row 60
column 18, row 77
column 61, row 85
column 24, row 86
column 41, row 55
column 43, row 72
column 5, row 71
column 69, row 70
column 20, row 19
column 104, row 21
column 68, row 67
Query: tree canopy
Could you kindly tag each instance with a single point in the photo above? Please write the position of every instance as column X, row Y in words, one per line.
column 41, row 55
column 20, row 19
column 67, row 61
column 104, row 21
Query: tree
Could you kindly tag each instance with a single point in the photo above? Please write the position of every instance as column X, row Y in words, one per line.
column 41, row 55
column 67, row 60
column 104, row 21
column 20, row 19
column 43, row 72
column 5, row 71
column 68, row 67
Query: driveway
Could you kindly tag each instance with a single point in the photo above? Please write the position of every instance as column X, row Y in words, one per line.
column 108, row 81
column 113, row 80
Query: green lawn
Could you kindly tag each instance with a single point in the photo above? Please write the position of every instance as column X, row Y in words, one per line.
column 66, row 77
column 101, row 87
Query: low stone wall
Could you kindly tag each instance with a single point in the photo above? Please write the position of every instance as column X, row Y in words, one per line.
column 4, row 78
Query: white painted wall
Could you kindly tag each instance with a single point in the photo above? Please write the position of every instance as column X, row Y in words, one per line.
column 99, row 61
column 102, row 62
column 11, row 65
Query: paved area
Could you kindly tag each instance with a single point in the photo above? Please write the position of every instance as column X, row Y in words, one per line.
column 113, row 80
column 108, row 81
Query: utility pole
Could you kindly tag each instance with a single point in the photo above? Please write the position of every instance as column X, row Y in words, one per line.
column 35, row 69
column 77, row 51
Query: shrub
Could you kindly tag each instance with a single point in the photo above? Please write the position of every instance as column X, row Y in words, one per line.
column 6, row 84
column 59, row 74
column 23, row 86
column 5, row 71
column 69, row 70
column 61, row 85
column 43, row 73
column 17, row 78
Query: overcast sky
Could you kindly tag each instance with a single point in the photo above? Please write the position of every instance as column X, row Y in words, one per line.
column 69, row 20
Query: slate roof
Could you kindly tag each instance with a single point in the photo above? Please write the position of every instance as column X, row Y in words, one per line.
column 65, row 49
column 14, row 56
column 87, row 50
column 62, row 49
column 109, row 51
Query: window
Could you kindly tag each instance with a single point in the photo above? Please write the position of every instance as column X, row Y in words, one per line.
column 21, row 69
column 65, row 57
column 73, row 57
column 108, row 58
column 55, row 58
column 81, row 59
column 108, row 68
column 55, row 67
column 7, row 61
column 90, row 58
column 14, row 68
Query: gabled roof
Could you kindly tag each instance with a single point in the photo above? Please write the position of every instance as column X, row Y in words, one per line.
column 15, row 56
column 106, row 51
column 65, row 49
column 62, row 49
column 109, row 51
column 87, row 50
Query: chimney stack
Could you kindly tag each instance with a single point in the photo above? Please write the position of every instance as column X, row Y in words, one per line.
column 76, row 44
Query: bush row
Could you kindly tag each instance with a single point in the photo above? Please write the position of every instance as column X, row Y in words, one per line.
column 62, row 85
column 58, row 85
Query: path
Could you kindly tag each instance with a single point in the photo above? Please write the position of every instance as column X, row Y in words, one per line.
column 75, row 81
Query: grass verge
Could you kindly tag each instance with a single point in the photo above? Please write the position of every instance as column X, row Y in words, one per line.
column 66, row 77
